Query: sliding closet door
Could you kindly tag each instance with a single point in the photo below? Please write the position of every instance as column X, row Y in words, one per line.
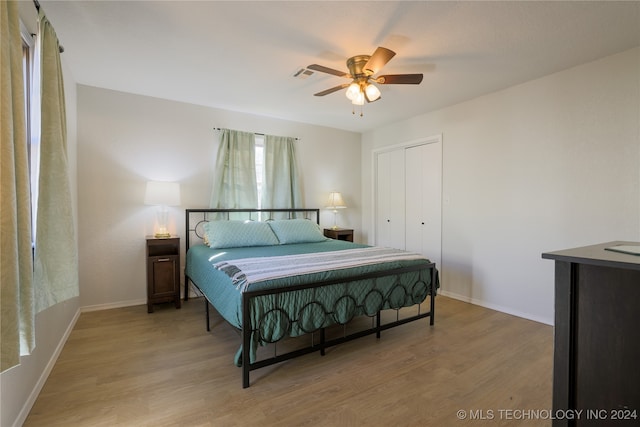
column 423, row 177
column 408, row 198
column 390, row 201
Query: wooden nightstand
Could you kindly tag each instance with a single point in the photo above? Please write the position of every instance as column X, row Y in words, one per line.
column 163, row 271
column 339, row 233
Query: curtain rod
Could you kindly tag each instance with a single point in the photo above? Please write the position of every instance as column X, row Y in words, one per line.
column 36, row 3
column 255, row 133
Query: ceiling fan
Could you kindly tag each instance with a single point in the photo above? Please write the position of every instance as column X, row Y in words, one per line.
column 361, row 72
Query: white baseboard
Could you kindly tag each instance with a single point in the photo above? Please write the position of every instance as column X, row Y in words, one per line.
column 131, row 303
column 31, row 400
column 108, row 306
column 502, row 309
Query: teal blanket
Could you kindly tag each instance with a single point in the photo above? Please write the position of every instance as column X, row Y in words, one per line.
column 296, row 312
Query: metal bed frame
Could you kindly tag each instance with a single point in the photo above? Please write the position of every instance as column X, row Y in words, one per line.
column 194, row 232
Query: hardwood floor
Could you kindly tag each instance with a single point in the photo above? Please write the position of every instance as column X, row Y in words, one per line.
column 125, row 367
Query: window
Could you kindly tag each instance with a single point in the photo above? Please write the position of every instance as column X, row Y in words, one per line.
column 259, row 166
column 269, row 180
column 32, row 114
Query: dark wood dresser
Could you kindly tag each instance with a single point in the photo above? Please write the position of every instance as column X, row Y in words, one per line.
column 596, row 366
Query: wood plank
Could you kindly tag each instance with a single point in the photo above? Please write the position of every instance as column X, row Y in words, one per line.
column 126, row 367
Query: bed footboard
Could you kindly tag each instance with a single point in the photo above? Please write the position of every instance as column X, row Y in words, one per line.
column 250, row 325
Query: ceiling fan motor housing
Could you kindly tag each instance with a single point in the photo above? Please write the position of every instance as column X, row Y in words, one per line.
column 356, row 65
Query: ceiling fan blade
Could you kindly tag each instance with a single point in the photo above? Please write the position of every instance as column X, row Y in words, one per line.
column 399, row 79
column 333, row 89
column 328, row 70
column 380, row 57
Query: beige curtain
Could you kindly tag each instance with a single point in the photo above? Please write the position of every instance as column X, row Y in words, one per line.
column 234, row 180
column 56, row 254
column 281, row 186
column 16, row 268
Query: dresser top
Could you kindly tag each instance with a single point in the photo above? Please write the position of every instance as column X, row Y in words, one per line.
column 598, row 255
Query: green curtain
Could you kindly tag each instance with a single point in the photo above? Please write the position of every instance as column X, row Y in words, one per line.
column 234, row 180
column 281, row 183
column 16, row 267
column 56, row 253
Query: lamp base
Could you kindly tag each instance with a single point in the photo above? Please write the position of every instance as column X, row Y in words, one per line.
column 335, row 220
column 162, row 216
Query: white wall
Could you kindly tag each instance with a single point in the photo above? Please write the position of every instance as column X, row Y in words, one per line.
column 550, row 164
column 126, row 140
column 20, row 385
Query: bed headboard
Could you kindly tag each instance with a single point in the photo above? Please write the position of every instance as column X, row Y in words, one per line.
column 196, row 218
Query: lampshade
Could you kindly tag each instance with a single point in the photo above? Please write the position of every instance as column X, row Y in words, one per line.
column 353, row 91
column 335, row 201
column 358, row 99
column 162, row 193
column 372, row 92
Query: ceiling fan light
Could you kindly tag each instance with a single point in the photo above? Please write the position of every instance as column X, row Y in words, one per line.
column 358, row 99
column 353, row 91
column 373, row 92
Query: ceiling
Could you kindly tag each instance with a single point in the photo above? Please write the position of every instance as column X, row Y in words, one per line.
column 242, row 55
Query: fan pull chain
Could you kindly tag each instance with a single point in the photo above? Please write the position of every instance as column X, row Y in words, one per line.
column 353, row 110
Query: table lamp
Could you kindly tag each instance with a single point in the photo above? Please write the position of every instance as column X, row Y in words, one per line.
column 162, row 194
column 335, row 202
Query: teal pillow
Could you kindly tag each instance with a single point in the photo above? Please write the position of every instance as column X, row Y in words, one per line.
column 297, row 231
column 236, row 234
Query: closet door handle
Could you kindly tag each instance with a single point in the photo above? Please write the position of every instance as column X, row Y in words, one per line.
column 163, row 259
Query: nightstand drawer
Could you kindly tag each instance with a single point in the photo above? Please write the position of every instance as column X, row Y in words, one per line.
column 163, row 270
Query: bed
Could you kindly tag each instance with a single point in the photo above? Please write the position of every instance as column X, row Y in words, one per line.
column 272, row 275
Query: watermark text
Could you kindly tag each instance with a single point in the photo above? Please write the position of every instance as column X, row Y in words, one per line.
column 547, row 414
